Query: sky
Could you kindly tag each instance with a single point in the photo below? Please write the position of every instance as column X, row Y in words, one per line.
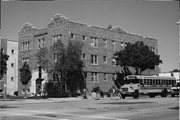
column 150, row 19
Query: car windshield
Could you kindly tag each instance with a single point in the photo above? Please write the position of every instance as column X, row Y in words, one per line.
column 134, row 81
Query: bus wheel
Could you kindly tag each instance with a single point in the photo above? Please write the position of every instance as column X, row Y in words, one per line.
column 123, row 96
column 151, row 95
column 172, row 95
column 164, row 93
column 136, row 94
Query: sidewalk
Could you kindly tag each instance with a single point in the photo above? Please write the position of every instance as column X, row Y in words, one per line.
column 24, row 101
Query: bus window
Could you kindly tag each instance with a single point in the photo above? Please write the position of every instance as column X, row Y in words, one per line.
column 150, row 81
column 169, row 82
column 174, row 82
column 166, row 82
column 145, row 81
column 141, row 81
column 161, row 82
column 158, row 82
column 128, row 81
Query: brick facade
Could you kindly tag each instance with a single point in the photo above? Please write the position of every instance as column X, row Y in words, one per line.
column 108, row 41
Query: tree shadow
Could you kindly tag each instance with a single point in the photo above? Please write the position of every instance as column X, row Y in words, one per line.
column 6, row 106
column 175, row 108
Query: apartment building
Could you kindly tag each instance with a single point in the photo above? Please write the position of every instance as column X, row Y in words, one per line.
column 9, row 83
column 99, row 45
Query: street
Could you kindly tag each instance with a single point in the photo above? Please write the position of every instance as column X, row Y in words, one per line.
column 144, row 108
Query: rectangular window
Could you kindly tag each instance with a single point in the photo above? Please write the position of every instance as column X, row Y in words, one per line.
column 2, row 50
column 12, row 51
column 113, row 44
column 123, row 45
column 72, row 36
column 105, row 59
column 59, row 36
column 28, row 90
column 105, row 77
column 152, row 49
column 94, row 59
column 84, row 37
column 114, row 76
column 24, row 46
column 12, row 64
column 84, row 56
column 94, row 42
column 28, row 45
column 39, row 44
column 55, row 57
column 94, row 77
column 43, row 43
column 12, row 78
column 55, row 39
column 25, row 60
column 105, row 43
column 23, row 91
column 113, row 61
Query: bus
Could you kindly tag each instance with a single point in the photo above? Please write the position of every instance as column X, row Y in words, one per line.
column 134, row 85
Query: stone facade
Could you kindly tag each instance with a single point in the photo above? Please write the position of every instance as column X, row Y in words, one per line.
column 99, row 45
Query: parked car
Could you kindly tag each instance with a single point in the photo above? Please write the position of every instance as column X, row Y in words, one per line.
column 175, row 90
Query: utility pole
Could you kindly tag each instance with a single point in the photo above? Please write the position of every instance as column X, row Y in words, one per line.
column 178, row 23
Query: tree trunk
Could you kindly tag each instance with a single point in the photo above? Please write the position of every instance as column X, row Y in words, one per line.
column 137, row 71
column 25, row 92
column 140, row 71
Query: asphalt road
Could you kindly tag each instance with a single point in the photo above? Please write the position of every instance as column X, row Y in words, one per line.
column 144, row 108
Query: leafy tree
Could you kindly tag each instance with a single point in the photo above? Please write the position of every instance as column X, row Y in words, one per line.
column 70, row 66
column 175, row 70
column 43, row 59
column 139, row 56
column 25, row 74
column 119, row 81
column 3, row 60
column 75, row 77
column 67, row 69
column 59, row 68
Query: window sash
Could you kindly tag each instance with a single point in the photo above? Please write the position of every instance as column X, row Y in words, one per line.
column 94, row 59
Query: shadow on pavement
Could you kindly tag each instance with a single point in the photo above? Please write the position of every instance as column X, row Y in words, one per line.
column 125, row 103
column 176, row 108
column 7, row 106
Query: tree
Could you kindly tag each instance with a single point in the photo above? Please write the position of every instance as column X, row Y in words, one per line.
column 43, row 59
column 58, row 70
column 74, row 66
column 3, row 60
column 175, row 70
column 67, row 67
column 25, row 74
column 119, row 81
column 139, row 56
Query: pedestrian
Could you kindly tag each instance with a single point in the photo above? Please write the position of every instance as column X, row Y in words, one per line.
column 84, row 93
